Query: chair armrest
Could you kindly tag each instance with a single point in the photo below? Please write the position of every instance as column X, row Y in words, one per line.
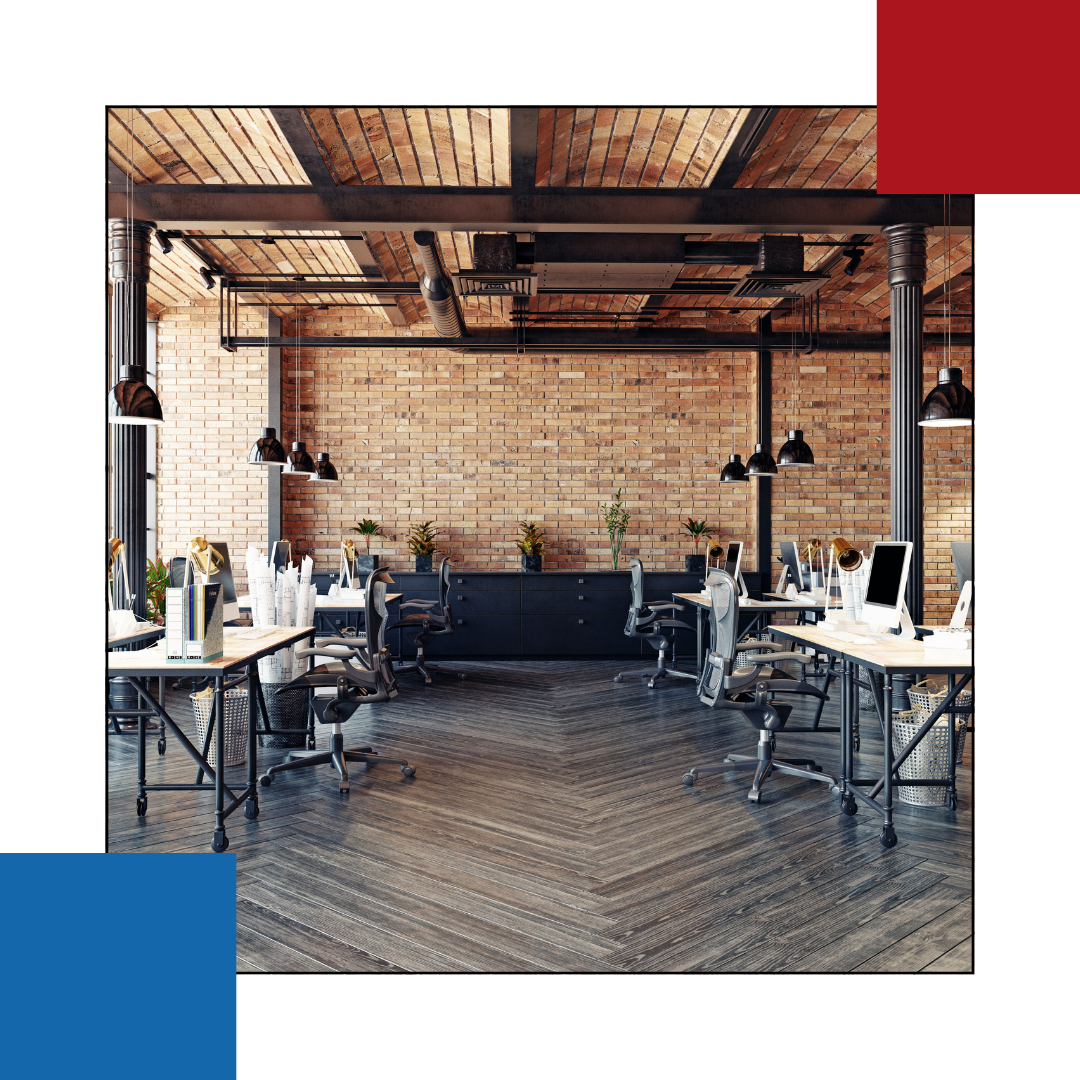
column 423, row 604
column 798, row 657
column 656, row 605
column 753, row 643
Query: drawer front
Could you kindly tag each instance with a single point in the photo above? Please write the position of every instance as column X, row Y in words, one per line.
column 582, row 603
column 660, row 586
column 479, row 602
column 493, row 581
column 485, row 635
column 325, row 621
column 586, row 635
column 596, row 581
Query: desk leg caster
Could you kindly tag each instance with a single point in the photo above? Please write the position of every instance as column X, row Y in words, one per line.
column 311, row 744
column 220, row 841
column 888, row 836
column 849, row 806
column 161, row 746
column 950, row 800
column 140, row 806
column 251, row 808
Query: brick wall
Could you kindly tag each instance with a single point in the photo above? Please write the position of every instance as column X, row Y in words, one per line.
column 478, row 443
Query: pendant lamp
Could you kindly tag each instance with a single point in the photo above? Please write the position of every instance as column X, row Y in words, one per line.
column 761, row 462
column 950, row 403
column 324, row 469
column 795, row 451
column 133, row 401
column 267, row 450
column 734, row 471
column 299, row 462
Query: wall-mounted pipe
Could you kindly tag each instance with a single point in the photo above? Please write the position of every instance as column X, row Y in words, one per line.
column 437, row 289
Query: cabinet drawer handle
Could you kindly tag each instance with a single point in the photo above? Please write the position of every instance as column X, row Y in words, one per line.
column 581, row 581
column 461, row 581
column 461, row 622
column 461, row 597
column 581, row 597
column 581, row 622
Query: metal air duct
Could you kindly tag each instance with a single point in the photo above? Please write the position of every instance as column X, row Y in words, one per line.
column 437, row 290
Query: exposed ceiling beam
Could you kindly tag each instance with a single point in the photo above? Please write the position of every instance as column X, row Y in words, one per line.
column 350, row 208
column 753, row 129
column 555, row 339
column 302, row 145
column 524, row 129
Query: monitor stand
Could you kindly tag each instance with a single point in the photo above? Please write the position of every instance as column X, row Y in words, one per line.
column 907, row 627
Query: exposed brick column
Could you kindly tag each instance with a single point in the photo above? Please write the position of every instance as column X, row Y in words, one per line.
column 907, row 275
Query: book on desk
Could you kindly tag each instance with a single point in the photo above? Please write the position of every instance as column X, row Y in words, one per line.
column 194, row 625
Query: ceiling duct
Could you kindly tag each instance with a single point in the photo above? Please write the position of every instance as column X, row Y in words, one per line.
column 494, row 270
column 638, row 262
column 436, row 289
column 779, row 271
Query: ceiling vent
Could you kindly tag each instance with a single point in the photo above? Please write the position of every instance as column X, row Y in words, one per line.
column 494, row 270
column 779, row 271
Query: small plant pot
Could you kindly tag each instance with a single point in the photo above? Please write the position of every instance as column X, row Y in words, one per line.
column 532, row 564
column 366, row 562
column 696, row 562
column 423, row 564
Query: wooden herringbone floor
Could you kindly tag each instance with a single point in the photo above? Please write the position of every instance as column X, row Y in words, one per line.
column 547, row 829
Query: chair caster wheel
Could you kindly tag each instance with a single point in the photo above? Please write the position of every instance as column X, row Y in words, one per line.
column 950, row 802
column 266, row 780
column 251, row 808
column 407, row 770
column 688, row 779
column 220, row 842
column 618, row 678
column 461, row 674
column 161, row 746
column 856, row 744
column 651, row 685
column 343, row 787
column 754, row 796
column 888, row 836
column 140, row 806
column 849, row 806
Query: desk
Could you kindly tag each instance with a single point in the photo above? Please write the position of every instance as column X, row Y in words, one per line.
column 240, row 654
column 887, row 659
column 758, row 608
column 140, row 636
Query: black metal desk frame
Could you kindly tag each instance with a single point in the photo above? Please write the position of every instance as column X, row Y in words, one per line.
column 227, row 679
column 114, row 716
column 850, row 795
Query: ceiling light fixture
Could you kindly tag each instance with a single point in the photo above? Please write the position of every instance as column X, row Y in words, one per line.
column 950, row 403
column 266, row 450
column 761, row 462
column 299, row 462
column 132, row 401
column 163, row 242
column 795, row 452
column 207, row 277
column 734, row 471
column 324, row 467
column 854, row 257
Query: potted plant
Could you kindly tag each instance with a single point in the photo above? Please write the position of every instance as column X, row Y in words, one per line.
column 699, row 531
column 365, row 560
column 616, row 518
column 422, row 543
column 531, row 544
column 157, row 581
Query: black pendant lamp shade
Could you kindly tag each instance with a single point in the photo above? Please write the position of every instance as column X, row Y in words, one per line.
column 132, row 401
column 324, row 469
column 950, row 403
column 761, row 462
column 299, row 462
column 795, row 451
column 733, row 471
column 267, row 450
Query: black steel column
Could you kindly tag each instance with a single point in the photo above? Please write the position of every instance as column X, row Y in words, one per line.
column 129, row 268
column 764, row 436
column 907, row 275
column 273, row 419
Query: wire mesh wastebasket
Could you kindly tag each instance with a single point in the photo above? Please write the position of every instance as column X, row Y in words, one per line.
column 930, row 758
column 236, row 712
column 286, row 707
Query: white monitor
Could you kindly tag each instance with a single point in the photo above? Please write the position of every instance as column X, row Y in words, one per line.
column 789, row 553
column 732, row 559
column 889, row 564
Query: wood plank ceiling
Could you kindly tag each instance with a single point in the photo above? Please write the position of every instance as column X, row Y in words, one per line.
column 583, row 147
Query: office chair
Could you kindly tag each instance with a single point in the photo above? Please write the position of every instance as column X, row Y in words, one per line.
column 750, row 690
column 644, row 621
column 430, row 623
column 362, row 676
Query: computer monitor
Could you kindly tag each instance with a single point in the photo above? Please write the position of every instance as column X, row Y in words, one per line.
column 889, row 564
column 733, row 558
column 789, row 553
column 963, row 559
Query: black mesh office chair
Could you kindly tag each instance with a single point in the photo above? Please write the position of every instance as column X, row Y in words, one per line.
column 644, row 621
column 432, row 618
column 750, row 690
column 362, row 676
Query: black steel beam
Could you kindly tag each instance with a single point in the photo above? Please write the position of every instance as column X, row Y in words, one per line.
column 273, row 419
column 629, row 340
column 719, row 253
column 524, row 129
column 302, row 145
column 764, row 436
column 445, row 209
column 753, row 130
